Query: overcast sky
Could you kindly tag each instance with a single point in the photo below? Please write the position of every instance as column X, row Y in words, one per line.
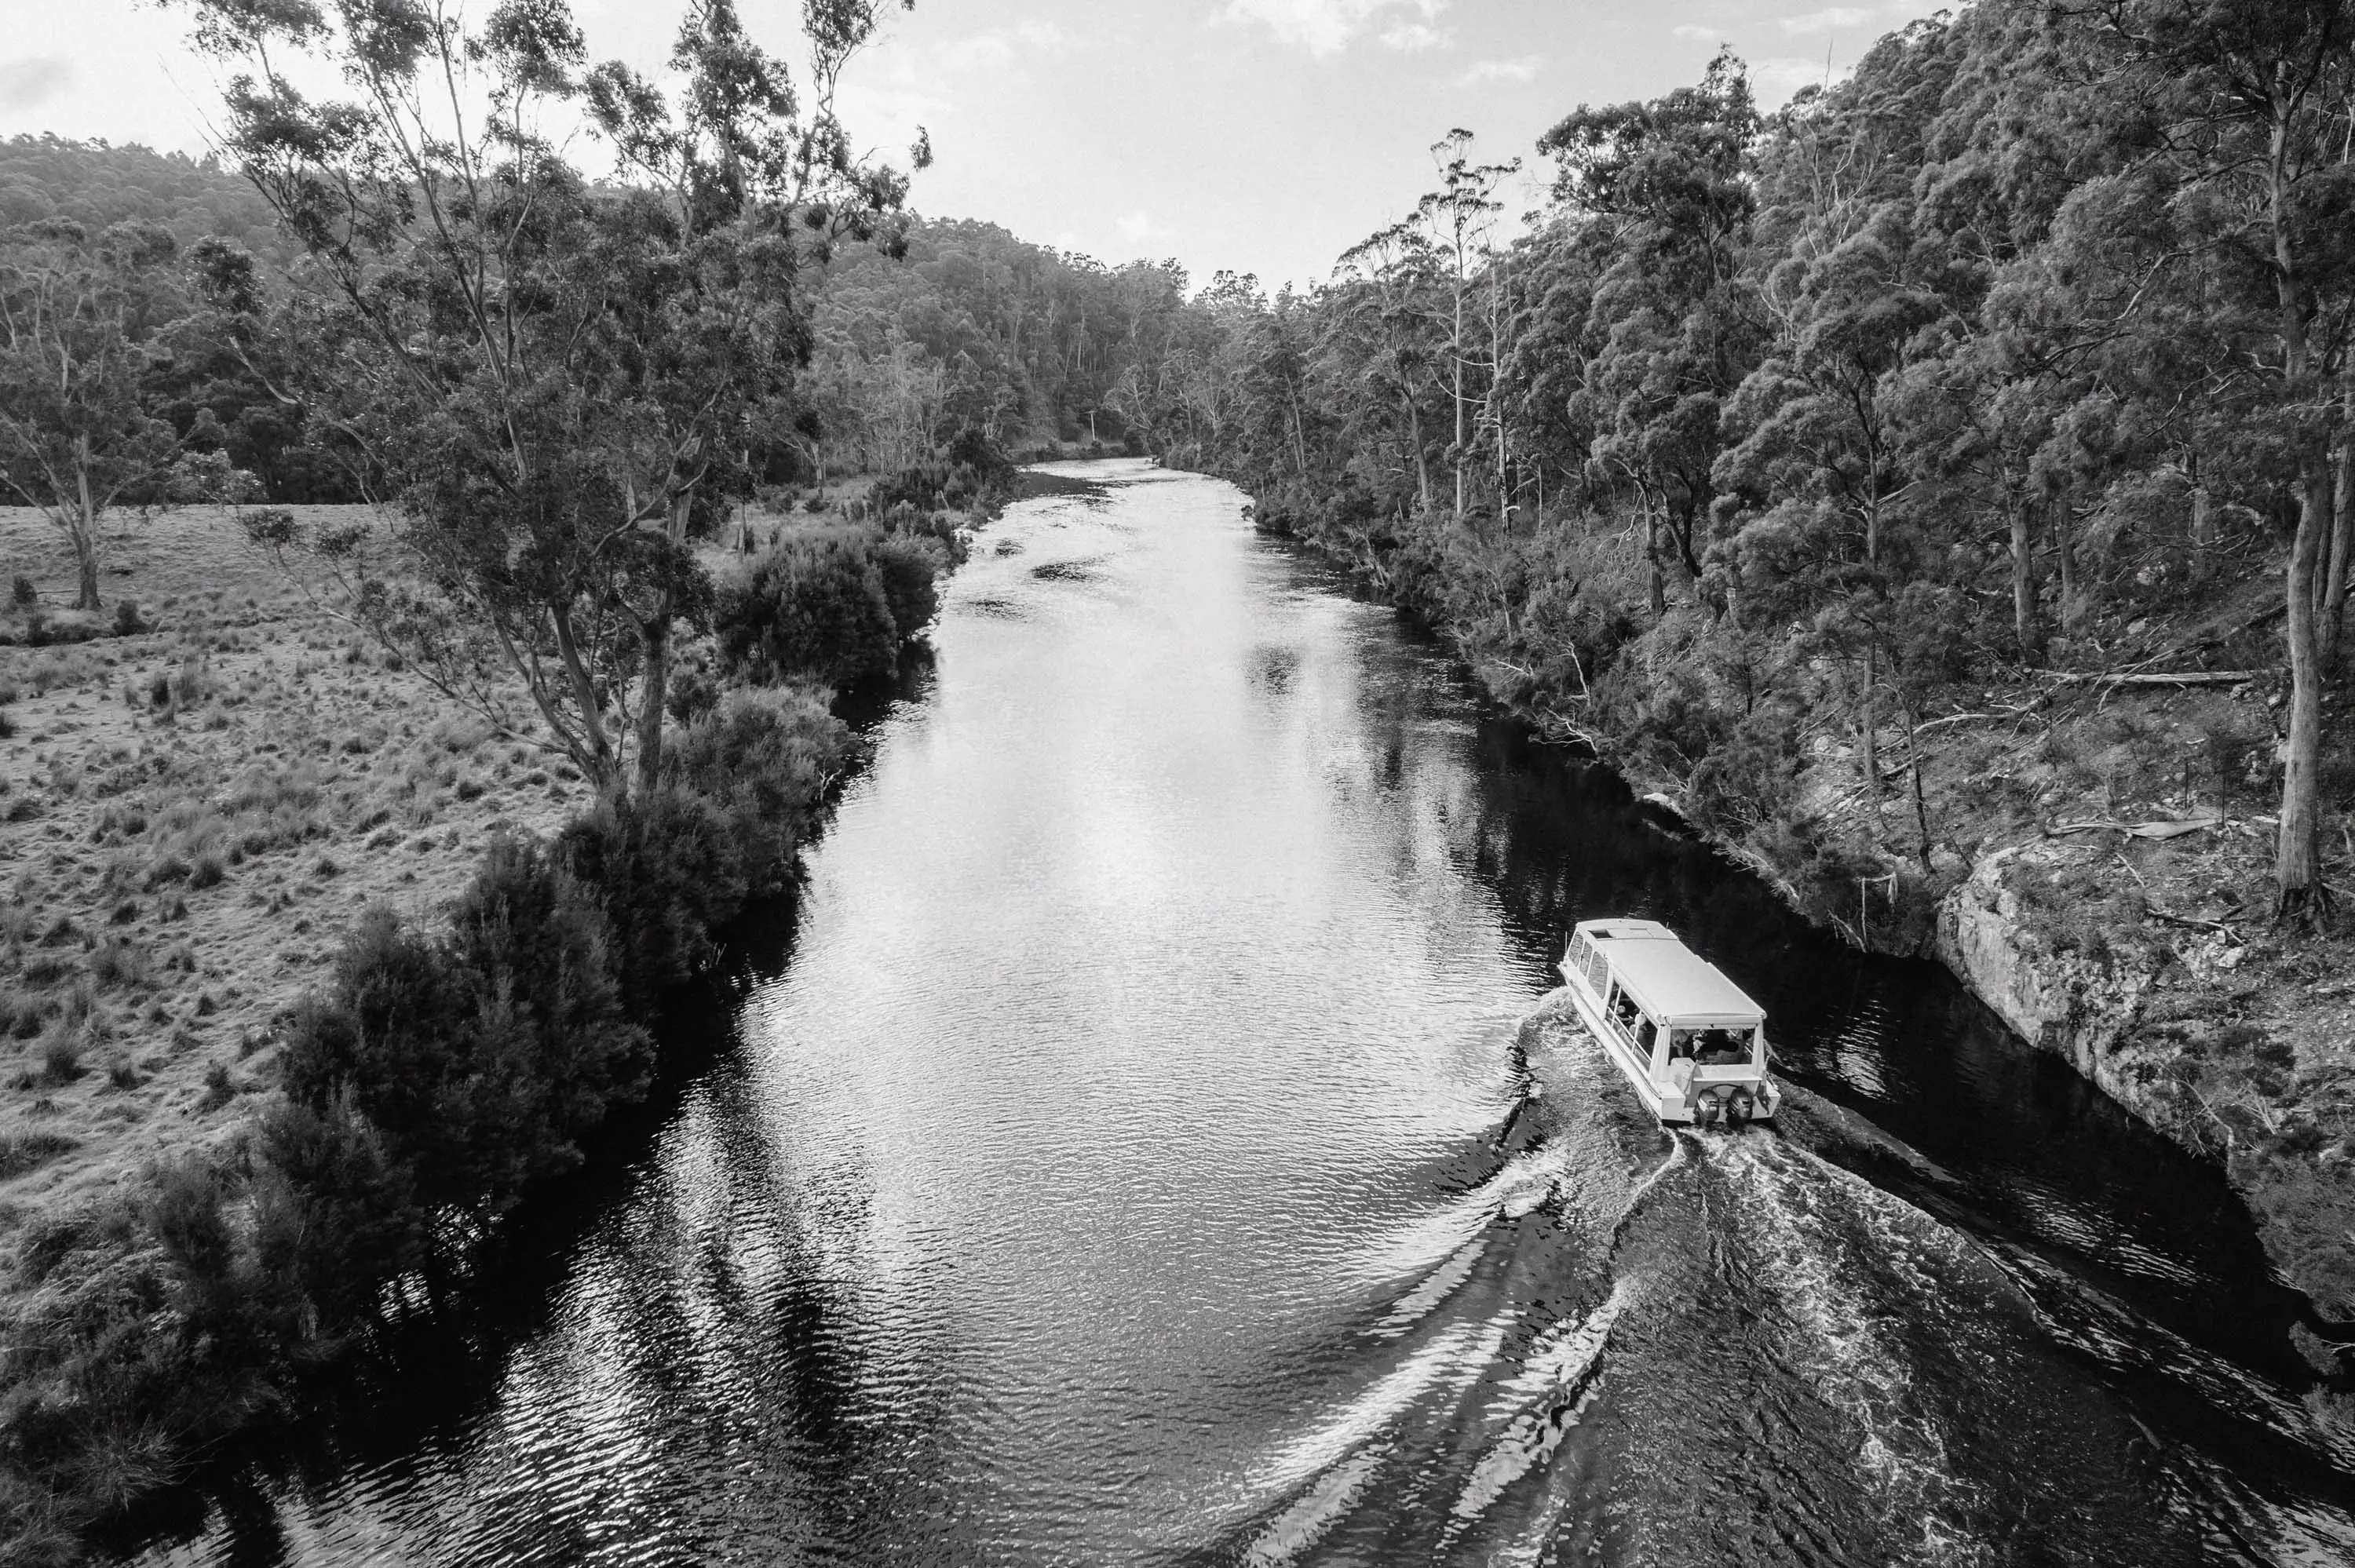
column 1262, row 135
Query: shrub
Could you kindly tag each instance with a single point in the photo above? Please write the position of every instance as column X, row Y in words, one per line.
column 23, row 1151
column 22, row 593
column 814, row 607
column 911, row 567
column 219, row 1089
column 61, row 1059
column 481, row 1057
column 665, row 869
column 764, row 759
column 127, row 618
column 693, row 693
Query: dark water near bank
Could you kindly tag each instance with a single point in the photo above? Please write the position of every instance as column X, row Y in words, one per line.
column 1156, row 1148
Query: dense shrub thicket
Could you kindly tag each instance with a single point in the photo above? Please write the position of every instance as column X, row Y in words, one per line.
column 831, row 605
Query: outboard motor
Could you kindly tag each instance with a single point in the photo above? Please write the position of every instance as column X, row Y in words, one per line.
column 1738, row 1111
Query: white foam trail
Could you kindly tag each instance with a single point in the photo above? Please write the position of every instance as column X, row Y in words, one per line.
column 1517, row 1187
column 1299, row 1527
column 1437, row 1287
column 1456, row 1354
column 1676, row 1157
column 1902, row 1454
column 1560, row 1370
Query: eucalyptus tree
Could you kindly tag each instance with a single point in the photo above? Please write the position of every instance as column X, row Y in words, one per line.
column 1383, row 303
column 83, row 327
column 1460, row 220
column 554, row 383
column 1669, row 180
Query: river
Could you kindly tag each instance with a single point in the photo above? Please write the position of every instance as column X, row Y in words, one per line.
column 1152, row 1141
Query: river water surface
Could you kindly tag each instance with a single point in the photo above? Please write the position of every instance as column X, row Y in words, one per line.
column 1159, row 1145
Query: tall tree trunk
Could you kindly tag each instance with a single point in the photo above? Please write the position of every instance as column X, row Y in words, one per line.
column 1421, row 460
column 1913, row 769
column 654, row 691
column 83, row 534
column 596, row 753
column 2297, row 853
column 2298, row 890
column 2341, row 555
column 1459, row 454
column 2203, row 533
column 2026, row 621
column 1652, row 559
column 1868, row 725
column 2066, row 550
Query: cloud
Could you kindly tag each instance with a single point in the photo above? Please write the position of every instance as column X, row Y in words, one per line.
column 1827, row 20
column 1138, row 226
column 1326, row 26
column 1001, row 47
column 1698, row 35
column 1417, row 36
column 29, row 83
column 1484, row 72
column 1774, row 80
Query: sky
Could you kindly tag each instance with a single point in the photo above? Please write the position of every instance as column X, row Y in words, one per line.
column 1263, row 136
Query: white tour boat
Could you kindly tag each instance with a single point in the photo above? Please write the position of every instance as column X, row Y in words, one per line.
column 1687, row 1037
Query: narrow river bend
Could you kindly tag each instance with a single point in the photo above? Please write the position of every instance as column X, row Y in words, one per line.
column 1159, row 1148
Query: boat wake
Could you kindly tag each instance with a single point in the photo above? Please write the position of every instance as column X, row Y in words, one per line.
column 1628, row 1345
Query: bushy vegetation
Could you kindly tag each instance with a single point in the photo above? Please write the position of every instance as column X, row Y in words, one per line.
column 831, row 605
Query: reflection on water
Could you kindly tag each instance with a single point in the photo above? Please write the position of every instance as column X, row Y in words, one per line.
column 1160, row 1148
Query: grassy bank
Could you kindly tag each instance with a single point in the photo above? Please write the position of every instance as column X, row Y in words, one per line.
column 2090, row 846
column 309, row 982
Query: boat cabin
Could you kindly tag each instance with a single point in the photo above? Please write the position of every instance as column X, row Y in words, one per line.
column 1680, row 1030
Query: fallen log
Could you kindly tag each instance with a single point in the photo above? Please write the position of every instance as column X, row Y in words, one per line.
column 2174, row 829
column 2180, row 678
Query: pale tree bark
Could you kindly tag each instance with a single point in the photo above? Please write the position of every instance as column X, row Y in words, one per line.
column 2027, row 623
column 1913, row 769
column 2065, row 549
column 1867, row 727
column 2297, row 852
column 2203, row 534
column 2298, row 890
column 2333, row 586
column 83, row 534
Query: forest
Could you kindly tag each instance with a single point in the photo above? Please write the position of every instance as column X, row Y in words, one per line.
column 2033, row 329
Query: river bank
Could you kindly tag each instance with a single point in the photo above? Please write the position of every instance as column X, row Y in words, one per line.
column 325, row 966
column 2090, row 857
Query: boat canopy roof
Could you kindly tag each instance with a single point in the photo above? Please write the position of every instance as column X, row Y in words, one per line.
column 1674, row 983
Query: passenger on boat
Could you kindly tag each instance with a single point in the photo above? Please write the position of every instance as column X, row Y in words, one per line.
column 1722, row 1048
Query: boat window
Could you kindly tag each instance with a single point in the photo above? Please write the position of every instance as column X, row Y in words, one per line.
column 1645, row 1032
column 1598, row 973
column 1681, row 1044
column 1722, row 1047
column 1623, row 1009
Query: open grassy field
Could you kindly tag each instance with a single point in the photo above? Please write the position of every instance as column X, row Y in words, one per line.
column 190, row 816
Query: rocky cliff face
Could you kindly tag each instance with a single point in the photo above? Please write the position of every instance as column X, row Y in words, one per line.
column 2241, row 1049
column 2063, row 1002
